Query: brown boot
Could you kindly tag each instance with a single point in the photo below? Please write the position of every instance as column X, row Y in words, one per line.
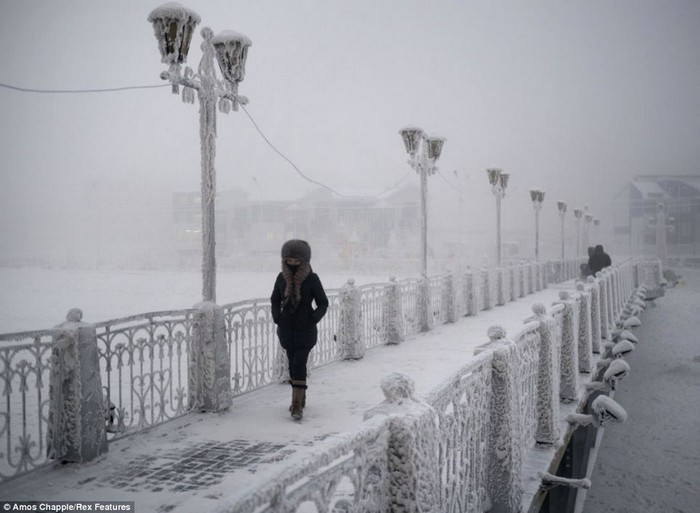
column 298, row 399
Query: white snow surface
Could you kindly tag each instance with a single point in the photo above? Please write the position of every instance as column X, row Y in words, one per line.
column 339, row 394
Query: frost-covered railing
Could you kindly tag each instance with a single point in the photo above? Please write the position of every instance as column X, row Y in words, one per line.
column 348, row 472
column 26, row 364
column 462, row 404
column 463, row 448
column 157, row 366
column 144, row 367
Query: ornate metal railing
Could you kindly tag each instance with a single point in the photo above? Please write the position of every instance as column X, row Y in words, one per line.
column 27, row 361
column 254, row 352
column 144, row 365
column 462, row 404
column 410, row 295
column 372, row 307
column 345, row 473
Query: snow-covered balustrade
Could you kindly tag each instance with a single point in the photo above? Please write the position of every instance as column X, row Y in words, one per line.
column 594, row 288
column 585, row 336
column 371, row 298
column 463, row 448
column 410, row 298
column 469, row 290
column 462, row 404
column 27, row 362
column 145, row 370
column 569, row 347
column 486, row 289
column 350, row 335
column 252, row 345
column 347, row 472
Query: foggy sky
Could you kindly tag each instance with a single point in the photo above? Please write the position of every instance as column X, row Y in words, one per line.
column 565, row 96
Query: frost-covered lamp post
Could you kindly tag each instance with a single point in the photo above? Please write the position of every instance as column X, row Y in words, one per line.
column 174, row 25
column 561, row 206
column 537, row 197
column 423, row 152
column 578, row 214
column 499, row 181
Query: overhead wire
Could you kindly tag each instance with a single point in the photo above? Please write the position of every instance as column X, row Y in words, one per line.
column 247, row 113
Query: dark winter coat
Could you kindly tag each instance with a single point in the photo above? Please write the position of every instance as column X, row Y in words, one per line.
column 598, row 260
column 300, row 318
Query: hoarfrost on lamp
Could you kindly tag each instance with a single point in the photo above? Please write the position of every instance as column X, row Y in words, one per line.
column 231, row 53
column 411, row 139
column 493, row 173
column 173, row 25
column 561, row 206
column 503, row 179
column 435, row 145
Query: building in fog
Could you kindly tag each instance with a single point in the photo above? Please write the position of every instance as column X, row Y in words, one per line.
column 341, row 229
column 636, row 206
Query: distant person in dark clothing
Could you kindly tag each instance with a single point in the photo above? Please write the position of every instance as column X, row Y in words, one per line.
column 598, row 260
column 296, row 287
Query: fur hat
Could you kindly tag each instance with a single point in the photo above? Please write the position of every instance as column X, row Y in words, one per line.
column 297, row 248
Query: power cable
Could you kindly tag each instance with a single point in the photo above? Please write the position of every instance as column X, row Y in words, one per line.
column 250, row 117
column 55, row 91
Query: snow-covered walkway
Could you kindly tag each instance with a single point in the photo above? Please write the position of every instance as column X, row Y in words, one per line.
column 190, row 463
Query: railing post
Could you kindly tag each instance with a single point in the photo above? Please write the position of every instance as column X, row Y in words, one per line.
column 594, row 285
column 76, row 423
column 350, row 333
column 523, row 280
column 209, row 366
column 424, row 304
column 585, row 342
column 486, row 292
column 547, row 379
column 413, row 454
column 499, row 287
column 505, row 487
column 604, row 315
column 392, row 324
column 469, row 285
column 568, row 388
column 511, row 283
column 448, row 297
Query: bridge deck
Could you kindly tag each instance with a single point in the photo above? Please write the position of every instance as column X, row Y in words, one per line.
column 190, row 463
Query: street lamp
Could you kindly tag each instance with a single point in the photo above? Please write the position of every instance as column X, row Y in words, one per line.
column 174, row 25
column 561, row 206
column 578, row 213
column 537, row 197
column 499, row 181
column 423, row 152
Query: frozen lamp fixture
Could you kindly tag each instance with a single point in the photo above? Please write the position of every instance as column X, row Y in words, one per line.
column 499, row 182
column 174, row 25
column 423, row 152
column 537, row 197
column 604, row 410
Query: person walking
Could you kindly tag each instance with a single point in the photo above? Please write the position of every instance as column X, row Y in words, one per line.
column 598, row 260
column 296, row 287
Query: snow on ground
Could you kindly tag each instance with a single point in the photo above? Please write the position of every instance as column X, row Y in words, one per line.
column 33, row 298
column 651, row 463
column 137, row 468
